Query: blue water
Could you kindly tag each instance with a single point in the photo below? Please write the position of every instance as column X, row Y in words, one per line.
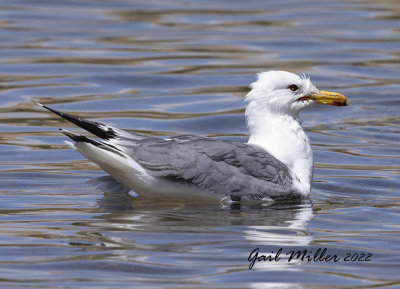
column 173, row 67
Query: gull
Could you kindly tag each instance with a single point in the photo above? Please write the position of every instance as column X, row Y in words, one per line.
column 275, row 164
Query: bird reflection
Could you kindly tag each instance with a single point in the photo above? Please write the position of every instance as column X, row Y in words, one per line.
column 265, row 222
column 187, row 229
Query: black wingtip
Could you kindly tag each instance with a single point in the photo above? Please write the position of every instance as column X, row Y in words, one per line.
column 81, row 138
column 37, row 102
column 77, row 137
column 66, row 116
column 96, row 128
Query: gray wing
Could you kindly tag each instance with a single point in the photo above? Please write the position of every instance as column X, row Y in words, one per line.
column 219, row 166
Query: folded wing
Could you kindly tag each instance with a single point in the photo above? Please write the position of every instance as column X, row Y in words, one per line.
column 219, row 166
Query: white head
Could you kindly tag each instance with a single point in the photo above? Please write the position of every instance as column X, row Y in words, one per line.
column 287, row 93
column 274, row 103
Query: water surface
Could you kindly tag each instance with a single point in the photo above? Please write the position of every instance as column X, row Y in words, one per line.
column 173, row 67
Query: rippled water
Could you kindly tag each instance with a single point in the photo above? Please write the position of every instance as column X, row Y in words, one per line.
column 170, row 67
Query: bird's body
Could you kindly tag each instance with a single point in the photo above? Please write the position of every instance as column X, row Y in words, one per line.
column 192, row 166
column 276, row 163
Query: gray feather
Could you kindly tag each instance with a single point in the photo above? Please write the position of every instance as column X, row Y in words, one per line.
column 219, row 166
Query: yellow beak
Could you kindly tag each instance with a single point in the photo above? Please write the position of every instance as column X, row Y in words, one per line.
column 328, row 97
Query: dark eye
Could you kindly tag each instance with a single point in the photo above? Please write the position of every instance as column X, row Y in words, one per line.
column 293, row 87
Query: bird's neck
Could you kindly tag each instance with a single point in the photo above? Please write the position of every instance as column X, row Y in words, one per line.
column 282, row 136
